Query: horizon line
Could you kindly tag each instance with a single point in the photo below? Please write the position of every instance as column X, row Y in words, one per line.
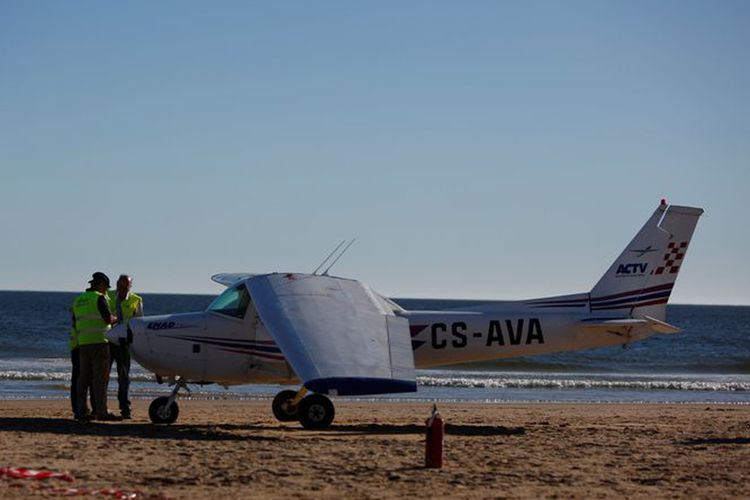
column 394, row 298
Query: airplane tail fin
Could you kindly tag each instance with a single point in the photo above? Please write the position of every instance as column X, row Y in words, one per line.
column 640, row 281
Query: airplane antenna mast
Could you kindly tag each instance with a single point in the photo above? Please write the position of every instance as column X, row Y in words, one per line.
column 325, row 273
column 327, row 258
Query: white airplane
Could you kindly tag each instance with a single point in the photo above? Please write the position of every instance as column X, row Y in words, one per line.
column 339, row 337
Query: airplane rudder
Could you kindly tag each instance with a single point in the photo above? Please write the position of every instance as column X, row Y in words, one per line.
column 679, row 224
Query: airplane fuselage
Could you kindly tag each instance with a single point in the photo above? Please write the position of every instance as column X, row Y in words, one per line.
column 211, row 347
column 443, row 337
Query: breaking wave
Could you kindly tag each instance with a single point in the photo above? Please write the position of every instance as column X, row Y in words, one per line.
column 52, row 370
column 487, row 381
column 583, row 382
column 58, row 376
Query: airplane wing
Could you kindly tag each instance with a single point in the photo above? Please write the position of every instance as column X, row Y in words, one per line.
column 626, row 325
column 230, row 279
column 335, row 334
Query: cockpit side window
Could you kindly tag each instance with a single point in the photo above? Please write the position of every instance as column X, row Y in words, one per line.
column 233, row 302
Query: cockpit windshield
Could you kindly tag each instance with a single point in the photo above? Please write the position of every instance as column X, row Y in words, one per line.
column 233, row 302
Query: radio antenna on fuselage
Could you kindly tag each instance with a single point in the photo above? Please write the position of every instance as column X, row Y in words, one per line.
column 327, row 258
column 325, row 273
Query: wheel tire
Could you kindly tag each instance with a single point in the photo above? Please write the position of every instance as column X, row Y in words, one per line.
column 281, row 409
column 161, row 413
column 316, row 412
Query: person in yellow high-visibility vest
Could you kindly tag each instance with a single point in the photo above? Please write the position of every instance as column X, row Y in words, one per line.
column 124, row 304
column 75, row 371
column 92, row 320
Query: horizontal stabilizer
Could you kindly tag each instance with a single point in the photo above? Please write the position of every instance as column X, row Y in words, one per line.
column 335, row 334
column 661, row 326
column 610, row 325
column 627, row 325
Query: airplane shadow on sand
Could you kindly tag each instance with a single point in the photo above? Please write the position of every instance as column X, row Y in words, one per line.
column 226, row 432
column 450, row 429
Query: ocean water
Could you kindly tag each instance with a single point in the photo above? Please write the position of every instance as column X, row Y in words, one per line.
column 708, row 362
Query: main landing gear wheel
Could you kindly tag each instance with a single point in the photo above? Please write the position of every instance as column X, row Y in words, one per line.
column 282, row 406
column 161, row 412
column 316, row 412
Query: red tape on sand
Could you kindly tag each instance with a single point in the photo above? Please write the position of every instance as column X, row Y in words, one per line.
column 22, row 473
column 108, row 492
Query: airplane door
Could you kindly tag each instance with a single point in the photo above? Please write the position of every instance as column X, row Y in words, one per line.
column 230, row 333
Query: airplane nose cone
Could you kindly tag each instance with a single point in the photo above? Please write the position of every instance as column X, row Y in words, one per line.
column 118, row 332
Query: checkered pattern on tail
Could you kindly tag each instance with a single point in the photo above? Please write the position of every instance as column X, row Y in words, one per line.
column 673, row 258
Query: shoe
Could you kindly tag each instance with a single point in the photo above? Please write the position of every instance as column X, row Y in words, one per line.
column 126, row 416
column 109, row 417
column 83, row 418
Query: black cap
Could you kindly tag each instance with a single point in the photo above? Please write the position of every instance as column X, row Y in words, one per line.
column 99, row 277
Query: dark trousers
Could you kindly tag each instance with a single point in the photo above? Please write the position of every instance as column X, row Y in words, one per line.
column 94, row 359
column 75, row 362
column 120, row 354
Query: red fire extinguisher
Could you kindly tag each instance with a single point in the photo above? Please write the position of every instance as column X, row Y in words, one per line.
column 433, row 457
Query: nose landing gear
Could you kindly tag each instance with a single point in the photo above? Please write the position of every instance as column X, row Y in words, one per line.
column 164, row 409
column 315, row 411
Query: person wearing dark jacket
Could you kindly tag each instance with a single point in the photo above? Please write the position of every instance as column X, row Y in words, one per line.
column 92, row 320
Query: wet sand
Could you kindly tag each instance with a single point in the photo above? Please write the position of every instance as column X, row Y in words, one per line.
column 376, row 450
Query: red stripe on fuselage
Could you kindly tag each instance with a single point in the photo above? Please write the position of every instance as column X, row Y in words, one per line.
column 628, row 306
column 633, row 292
column 254, row 353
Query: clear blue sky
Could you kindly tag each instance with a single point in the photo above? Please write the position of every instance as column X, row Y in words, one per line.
column 475, row 149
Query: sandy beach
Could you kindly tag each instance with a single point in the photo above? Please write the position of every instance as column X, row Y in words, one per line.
column 237, row 449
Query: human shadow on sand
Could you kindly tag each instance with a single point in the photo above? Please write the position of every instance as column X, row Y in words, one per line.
column 144, row 430
column 705, row 441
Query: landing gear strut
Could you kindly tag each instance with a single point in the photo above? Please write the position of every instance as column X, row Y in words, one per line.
column 314, row 411
column 164, row 409
column 286, row 405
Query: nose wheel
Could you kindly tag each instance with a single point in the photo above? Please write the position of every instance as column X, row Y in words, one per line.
column 162, row 412
column 164, row 409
